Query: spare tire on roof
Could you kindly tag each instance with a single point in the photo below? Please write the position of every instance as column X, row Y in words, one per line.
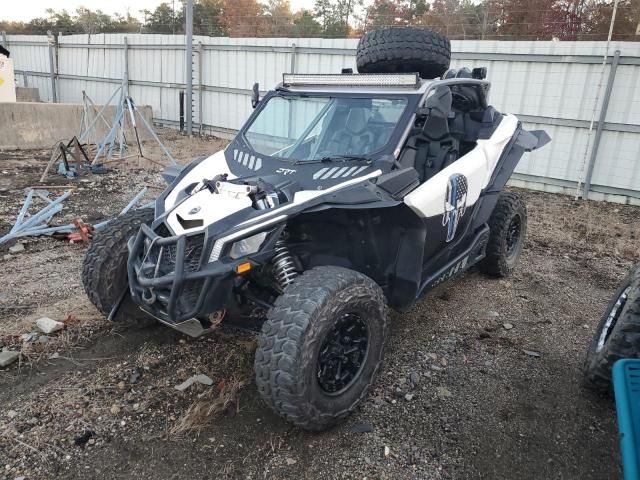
column 404, row 50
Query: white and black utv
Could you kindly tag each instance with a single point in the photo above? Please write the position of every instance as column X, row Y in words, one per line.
column 341, row 195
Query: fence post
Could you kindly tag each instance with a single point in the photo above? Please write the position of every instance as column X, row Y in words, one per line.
column 292, row 68
column 189, row 65
column 4, row 39
column 52, row 72
column 126, row 65
column 603, row 115
column 200, row 86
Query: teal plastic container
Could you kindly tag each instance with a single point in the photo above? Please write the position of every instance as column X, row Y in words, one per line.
column 626, row 386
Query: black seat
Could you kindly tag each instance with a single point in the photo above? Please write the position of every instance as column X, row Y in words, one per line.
column 470, row 126
column 432, row 147
column 355, row 137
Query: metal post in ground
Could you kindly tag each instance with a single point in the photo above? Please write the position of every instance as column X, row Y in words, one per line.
column 181, row 101
column 603, row 116
column 200, row 86
column 52, row 66
column 189, row 65
column 126, row 66
column 4, row 39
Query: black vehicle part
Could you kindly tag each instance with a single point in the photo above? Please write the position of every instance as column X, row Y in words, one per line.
column 463, row 72
column 399, row 183
column 430, row 147
column 404, row 50
column 321, row 346
column 385, row 244
column 166, row 274
column 474, row 253
column 508, row 226
column 617, row 335
column 104, row 270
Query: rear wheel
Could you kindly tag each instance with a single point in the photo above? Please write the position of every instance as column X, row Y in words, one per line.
column 104, row 271
column 404, row 50
column 508, row 226
column 617, row 335
column 321, row 346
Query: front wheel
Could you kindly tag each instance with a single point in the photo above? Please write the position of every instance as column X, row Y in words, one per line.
column 321, row 346
column 508, row 230
column 104, row 270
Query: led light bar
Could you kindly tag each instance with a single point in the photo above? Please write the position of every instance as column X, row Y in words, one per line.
column 408, row 80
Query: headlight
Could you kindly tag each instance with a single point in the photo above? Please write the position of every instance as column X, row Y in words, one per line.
column 241, row 248
column 247, row 246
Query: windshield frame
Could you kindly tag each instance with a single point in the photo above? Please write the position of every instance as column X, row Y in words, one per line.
column 412, row 100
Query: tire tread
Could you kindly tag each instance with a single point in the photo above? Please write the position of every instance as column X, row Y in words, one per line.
column 102, row 263
column 279, row 344
column 623, row 342
column 494, row 262
column 401, row 49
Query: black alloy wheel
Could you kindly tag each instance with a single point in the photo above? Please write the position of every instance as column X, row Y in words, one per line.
column 342, row 354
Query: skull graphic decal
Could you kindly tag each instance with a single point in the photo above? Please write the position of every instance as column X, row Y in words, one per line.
column 455, row 203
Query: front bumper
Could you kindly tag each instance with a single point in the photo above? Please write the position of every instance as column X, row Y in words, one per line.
column 171, row 279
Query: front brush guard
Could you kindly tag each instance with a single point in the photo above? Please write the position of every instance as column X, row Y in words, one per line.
column 159, row 294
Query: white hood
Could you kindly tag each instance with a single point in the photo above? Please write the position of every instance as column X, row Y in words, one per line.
column 216, row 164
column 203, row 205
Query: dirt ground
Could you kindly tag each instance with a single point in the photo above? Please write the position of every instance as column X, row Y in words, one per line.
column 460, row 396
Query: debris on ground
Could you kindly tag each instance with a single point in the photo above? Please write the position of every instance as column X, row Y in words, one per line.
column 48, row 325
column 507, row 326
column 136, row 375
column 83, row 438
column 38, row 223
column 210, row 404
column 7, row 357
column 532, row 353
column 62, row 151
column 17, row 248
column 29, row 337
column 200, row 378
column 443, row 392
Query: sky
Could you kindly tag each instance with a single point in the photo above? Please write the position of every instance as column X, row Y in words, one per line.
column 25, row 10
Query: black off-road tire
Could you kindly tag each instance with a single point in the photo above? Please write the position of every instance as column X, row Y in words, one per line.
column 621, row 336
column 502, row 255
column 404, row 50
column 287, row 358
column 104, row 271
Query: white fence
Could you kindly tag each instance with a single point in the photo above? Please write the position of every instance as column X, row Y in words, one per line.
column 549, row 85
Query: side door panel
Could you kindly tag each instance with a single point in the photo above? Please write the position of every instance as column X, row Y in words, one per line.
column 446, row 201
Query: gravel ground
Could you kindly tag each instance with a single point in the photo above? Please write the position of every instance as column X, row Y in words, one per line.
column 481, row 379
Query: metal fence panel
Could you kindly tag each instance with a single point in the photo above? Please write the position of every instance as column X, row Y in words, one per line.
column 550, row 85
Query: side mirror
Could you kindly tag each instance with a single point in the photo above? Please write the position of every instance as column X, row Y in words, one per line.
column 255, row 96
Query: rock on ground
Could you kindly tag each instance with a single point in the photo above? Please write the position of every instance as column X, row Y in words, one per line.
column 7, row 357
column 48, row 325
